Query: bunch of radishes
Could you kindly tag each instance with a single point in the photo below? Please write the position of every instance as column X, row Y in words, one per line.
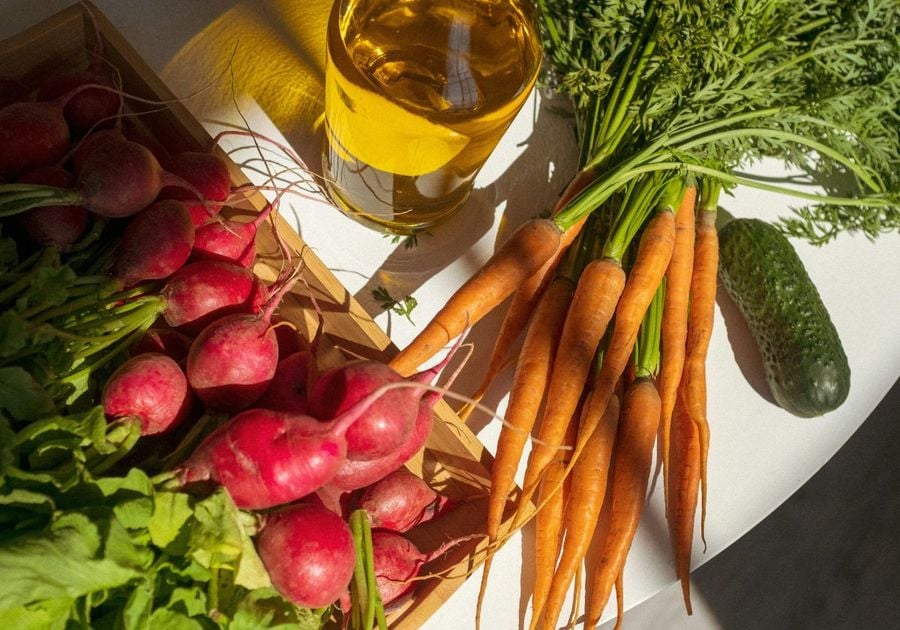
column 309, row 552
column 297, row 444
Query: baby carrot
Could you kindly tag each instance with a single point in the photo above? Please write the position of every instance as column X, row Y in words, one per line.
column 675, row 315
column 588, row 488
column 527, row 392
column 549, row 523
column 527, row 249
column 593, row 304
column 518, row 313
column 683, row 485
column 630, row 471
column 631, row 460
column 700, row 324
column 654, row 252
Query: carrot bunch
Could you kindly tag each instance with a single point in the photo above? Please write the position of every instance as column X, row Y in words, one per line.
column 613, row 327
column 668, row 101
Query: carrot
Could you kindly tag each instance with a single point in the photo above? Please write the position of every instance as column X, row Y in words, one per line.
column 589, row 476
column 630, row 468
column 631, row 460
column 599, row 287
column 526, row 296
column 620, row 601
column 518, row 313
column 675, row 315
column 527, row 249
column 526, row 393
column 654, row 252
column 683, row 485
column 549, row 523
column 700, row 324
column 576, row 597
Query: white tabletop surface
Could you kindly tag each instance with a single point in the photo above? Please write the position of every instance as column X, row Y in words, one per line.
column 759, row 454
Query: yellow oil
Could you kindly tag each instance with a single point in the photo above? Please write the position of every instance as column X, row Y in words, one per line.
column 417, row 95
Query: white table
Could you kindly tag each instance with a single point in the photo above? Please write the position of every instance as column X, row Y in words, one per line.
column 759, row 454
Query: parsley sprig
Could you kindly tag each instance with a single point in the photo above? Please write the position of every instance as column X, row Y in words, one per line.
column 402, row 307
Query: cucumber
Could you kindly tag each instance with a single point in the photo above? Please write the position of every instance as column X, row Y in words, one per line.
column 806, row 366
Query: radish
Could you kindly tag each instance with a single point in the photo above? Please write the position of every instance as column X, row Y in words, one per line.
column 117, row 179
column 398, row 562
column 120, row 178
column 308, row 553
column 60, row 226
column 230, row 239
column 32, row 134
column 266, row 458
column 389, row 422
column 208, row 173
column 287, row 391
column 12, row 91
column 233, row 360
column 400, row 501
column 201, row 291
column 171, row 343
column 86, row 107
column 150, row 387
column 86, row 145
column 355, row 474
column 155, row 244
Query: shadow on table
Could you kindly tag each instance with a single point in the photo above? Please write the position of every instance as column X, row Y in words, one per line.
column 828, row 556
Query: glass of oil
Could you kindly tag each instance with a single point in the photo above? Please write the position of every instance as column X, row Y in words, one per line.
column 417, row 95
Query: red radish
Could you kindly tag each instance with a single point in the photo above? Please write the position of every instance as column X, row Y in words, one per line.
column 289, row 338
column 400, row 501
column 202, row 291
column 232, row 360
column 171, row 343
column 331, row 499
column 86, row 107
column 388, row 423
column 398, row 562
column 355, row 474
column 156, row 243
column 266, row 458
column 230, row 240
column 208, row 173
column 120, row 177
column 151, row 387
column 32, row 134
column 117, row 179
column 60, row 226
column 86, row 145
column 308, row 553
column 12, row 91
column 287, row 391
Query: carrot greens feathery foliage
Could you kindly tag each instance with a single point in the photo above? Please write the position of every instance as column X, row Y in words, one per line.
column 712, row 86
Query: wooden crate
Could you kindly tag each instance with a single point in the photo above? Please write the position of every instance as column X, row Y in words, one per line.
column 454, row 462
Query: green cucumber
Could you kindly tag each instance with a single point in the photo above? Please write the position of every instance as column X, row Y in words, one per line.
column 806, row 366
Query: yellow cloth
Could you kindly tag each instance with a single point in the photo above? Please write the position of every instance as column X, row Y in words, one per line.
column 273, row 52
